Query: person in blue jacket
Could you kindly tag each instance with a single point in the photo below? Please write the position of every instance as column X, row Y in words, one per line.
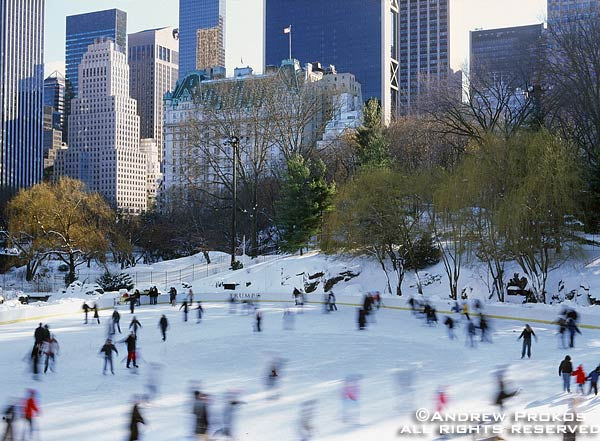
column 593, row 379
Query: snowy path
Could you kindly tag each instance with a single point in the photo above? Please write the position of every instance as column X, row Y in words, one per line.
column 79, row 403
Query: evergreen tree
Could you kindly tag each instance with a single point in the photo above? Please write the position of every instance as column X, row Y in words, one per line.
column 372, row 146
column 305, row 197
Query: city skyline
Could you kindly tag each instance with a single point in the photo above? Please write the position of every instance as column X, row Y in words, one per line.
column 465, row 15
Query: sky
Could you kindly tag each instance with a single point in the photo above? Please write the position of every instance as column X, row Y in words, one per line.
column 465, row 15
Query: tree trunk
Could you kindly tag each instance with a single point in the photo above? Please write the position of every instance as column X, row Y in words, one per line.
column 71, row 274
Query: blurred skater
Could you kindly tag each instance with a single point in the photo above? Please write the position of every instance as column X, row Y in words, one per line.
column 258, row 321
column 163, row 324
column 185, row 308
column 107, row 349
column 31, row 410
column 562, row 331
column 132, row 301
column 201, row 413
column 449, row 322
column 96, row 315
column 362, row 319
column 526, row 336
column 593, row 379
column 231, row 403
column 484, row 327
column 200, row 312
column 288, row 320
column 441, row 399
column 573, row 329
column 172, row 296
column 116, row 318
column 471, row 333
column 135, row 324
column 135, row 420
column 350, row 399
column 502, row 394
column 86, row 310
column 9, row 416
column 306, row 427
column 331, row 301
column 50, row 349
column 272, row 378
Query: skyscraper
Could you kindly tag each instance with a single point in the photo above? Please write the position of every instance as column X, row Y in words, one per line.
column 54, row 96
column 385, row 43
column 104, row 136
column 153, row 71
column 210, row 49
column 561, row 11
column 82, row 30
column 195, row 15
column 424, row 48
column 21, row 94
column 507, row 55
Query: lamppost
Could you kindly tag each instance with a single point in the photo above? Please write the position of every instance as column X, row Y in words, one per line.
column 234, row 142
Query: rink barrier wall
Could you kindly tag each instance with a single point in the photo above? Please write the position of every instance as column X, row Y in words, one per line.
column 43, row 312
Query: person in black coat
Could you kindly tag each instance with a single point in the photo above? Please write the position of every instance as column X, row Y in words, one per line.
column 362, row 319
column 163, row 324
column 131, row 343
column 135, row 324
column 565, row 369
column 185, row 308
column 96, row 315
column 331, row 302
column 136, row 419
column 526, row 336
column 368, row 304
column 200, row 311
column 572, row 328
column 86, row 310
column 258, row 321
column 172, row 295
column 39, row 334
column 116, row 317
column 201, row 413
column 132, row 301
column 449, row 322
column 107, row 349
column 9, row 416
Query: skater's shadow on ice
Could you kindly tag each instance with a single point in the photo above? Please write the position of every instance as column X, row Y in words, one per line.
column 552, row 401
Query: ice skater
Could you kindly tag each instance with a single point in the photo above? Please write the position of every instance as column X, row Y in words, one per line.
column 565, row 369
column 200, row 311
column 200, row 411
column 135, row 324
column 107, row 349
column 9, row 416
column 573, row 329
column 562, row 331
column 116, row 318
column 96, row 315
column 306, row 428
column 362, row 319
column 36, row 352
column 526, row 336
column 135, row 420
column 132, row 301
column 163, row 324
column 231, row 403
column 185, row 308
column 502, row 394
column 86, row 310
column 288, row 320
column 449, row 322
column 331, row 301
column 50, row 349
column 131, row 341
column 258, row 321
column 471, row 333
column 580, row 378
column 172, row 296
column 484, row 327
column 350, row 399
column 593, row 379
column 31, row 410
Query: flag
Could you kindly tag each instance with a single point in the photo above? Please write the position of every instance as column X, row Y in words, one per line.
column 287, row 30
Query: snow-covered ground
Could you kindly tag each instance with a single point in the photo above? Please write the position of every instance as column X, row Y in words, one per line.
column 222, row 353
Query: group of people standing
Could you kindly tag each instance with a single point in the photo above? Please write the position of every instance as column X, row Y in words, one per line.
column 566, row 371
column 45, row 347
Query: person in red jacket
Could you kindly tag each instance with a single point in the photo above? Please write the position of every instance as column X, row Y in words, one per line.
column 30, row 411
column 580, row 378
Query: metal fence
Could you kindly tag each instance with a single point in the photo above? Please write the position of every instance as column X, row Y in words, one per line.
column 54, row 282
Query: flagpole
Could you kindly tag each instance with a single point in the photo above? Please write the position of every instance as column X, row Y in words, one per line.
column 290, row 39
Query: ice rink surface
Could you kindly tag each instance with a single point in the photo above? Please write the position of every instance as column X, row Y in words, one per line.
column 222, row 353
